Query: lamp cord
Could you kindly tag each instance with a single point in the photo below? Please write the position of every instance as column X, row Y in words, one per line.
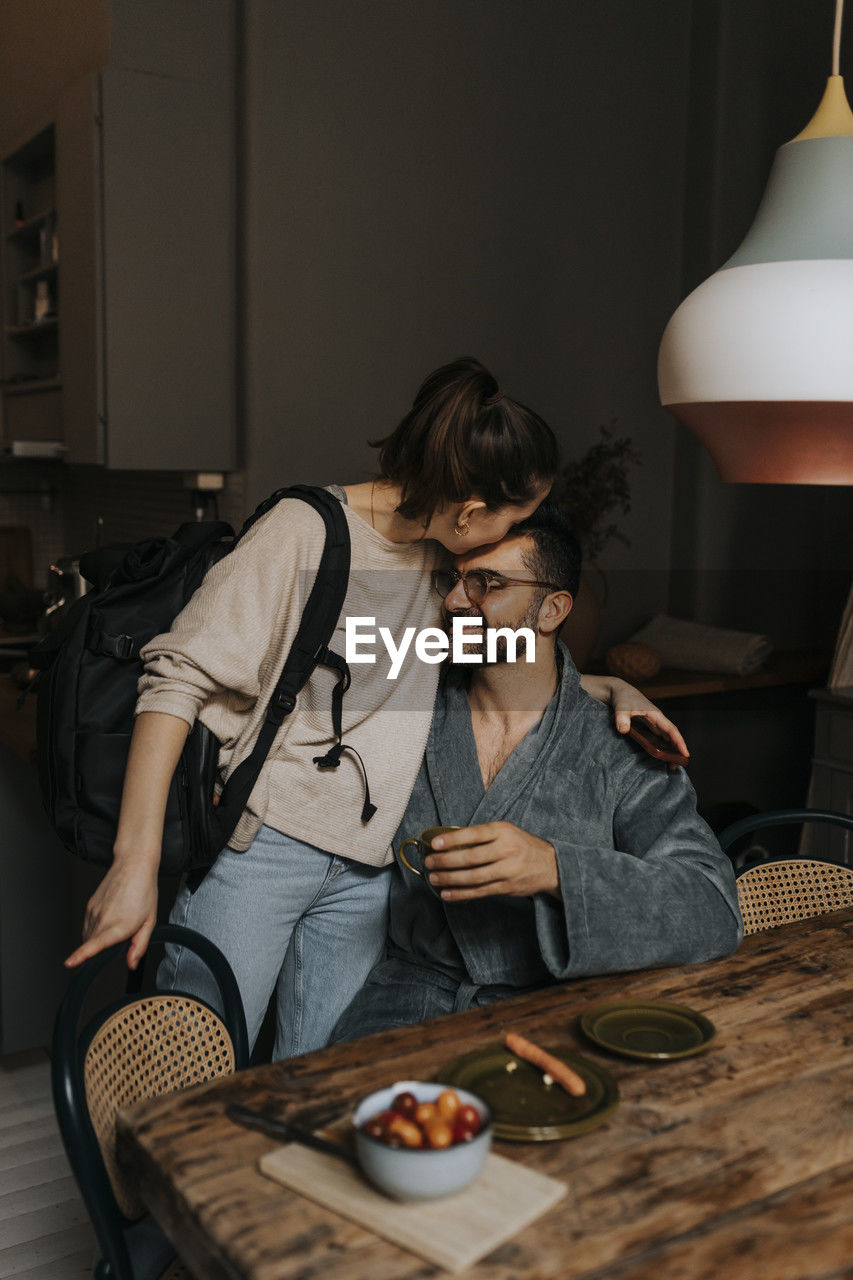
column 836, row 38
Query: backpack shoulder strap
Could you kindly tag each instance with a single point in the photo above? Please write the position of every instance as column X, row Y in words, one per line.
column 325, row 603
column 316, row 626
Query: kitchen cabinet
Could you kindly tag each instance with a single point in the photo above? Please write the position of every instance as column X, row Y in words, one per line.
column 135, row 182
column 145, row 198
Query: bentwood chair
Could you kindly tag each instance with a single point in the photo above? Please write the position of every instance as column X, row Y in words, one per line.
column 780, row 890
column 138, row 1047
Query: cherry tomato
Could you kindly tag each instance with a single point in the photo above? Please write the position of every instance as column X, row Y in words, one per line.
column 463, row 1132
column 439, row 1133
column 424, row 1113
column 469, row 1116
column 448, row 1104
column 375, row 1128
column 405, row 1104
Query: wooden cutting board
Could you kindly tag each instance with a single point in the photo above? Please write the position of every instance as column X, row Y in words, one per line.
column 453, row 1233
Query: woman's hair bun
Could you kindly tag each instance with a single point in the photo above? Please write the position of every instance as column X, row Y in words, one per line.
column 465, row 437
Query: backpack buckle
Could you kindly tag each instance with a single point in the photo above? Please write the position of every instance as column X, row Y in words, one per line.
column 122, row 647
column 281, row 705
column 330, row 760
column 125, row 647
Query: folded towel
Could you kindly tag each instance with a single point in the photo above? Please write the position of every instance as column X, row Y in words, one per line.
column 694, row 647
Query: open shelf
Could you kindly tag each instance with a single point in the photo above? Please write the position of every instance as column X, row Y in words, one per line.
column 32, row 226
column 30, row 330
column 40, row 273
column 32, row 386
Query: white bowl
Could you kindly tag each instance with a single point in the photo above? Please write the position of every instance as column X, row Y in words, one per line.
column 418, row 1173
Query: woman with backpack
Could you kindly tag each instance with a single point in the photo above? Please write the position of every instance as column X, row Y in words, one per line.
column 297, row 900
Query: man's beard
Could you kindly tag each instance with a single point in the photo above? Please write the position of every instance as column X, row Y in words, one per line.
column 530, row 619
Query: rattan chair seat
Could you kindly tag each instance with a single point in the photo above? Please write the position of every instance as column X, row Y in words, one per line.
column 782, row 891
column 156, row 1045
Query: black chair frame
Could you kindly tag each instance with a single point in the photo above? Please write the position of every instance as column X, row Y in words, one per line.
column 779, row 818
column 69, row 1095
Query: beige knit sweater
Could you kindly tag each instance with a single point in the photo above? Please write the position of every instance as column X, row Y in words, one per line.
column 224, row 654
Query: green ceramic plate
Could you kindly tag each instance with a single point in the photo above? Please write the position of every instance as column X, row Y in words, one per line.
column 650, row 1029
column 525, row 1108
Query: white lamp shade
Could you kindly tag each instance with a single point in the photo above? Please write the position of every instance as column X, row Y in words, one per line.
column 758, row 361
column 771, row 331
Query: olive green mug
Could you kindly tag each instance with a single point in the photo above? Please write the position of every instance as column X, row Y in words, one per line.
column 421, row 849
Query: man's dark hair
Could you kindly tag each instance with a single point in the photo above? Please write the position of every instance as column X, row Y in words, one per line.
column 556, row 553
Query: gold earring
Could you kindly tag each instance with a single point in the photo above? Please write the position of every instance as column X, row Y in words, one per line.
column 461, row 531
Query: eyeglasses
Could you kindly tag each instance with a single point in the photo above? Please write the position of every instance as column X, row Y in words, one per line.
column 478, row 583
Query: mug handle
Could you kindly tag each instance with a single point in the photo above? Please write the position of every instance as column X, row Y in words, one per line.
column 405, row 861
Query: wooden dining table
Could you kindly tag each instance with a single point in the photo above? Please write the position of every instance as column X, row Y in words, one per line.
column 734, row 1163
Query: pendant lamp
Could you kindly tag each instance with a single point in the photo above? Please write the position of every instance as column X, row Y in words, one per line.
column 758, row 361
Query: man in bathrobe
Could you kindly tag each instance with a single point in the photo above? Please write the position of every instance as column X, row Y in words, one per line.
column 578, row 854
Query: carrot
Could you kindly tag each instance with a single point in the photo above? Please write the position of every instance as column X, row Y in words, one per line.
column 557, row 1070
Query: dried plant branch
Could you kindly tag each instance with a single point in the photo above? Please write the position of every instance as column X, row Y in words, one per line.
column 595, row 485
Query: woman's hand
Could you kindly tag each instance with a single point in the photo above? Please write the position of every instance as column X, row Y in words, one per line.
column 626, row 702
column 500, row 858
column 124, row 905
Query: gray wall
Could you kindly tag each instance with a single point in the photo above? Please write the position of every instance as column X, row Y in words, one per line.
column 538, row 184
column 480, row 177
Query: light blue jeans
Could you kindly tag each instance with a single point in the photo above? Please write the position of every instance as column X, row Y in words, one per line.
column 289, row 918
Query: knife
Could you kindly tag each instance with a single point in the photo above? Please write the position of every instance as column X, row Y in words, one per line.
column 276, row 1127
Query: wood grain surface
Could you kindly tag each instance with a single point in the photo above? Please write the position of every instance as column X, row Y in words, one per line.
column 737, row 1163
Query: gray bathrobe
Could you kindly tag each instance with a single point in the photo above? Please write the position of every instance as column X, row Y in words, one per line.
column 643, row 881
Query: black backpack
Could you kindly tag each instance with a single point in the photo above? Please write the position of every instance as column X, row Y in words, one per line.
column 87, row 688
